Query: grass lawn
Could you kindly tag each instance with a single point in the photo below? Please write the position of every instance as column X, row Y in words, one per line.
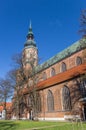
column 27, row 125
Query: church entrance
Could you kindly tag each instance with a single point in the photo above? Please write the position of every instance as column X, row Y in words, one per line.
column 31, row 115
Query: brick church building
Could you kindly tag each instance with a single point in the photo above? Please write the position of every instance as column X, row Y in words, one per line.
column 61, row 87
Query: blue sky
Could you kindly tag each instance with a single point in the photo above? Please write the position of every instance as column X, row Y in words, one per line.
column 55, row 26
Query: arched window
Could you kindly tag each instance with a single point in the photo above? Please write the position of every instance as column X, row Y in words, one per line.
column 66, row 98
column 44, row 76
column 83, row 87
column 78, row 61
column 50, row 101
column 63, row 67
column 53, row 72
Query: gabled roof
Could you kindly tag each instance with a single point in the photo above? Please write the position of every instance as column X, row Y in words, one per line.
column 77, row 46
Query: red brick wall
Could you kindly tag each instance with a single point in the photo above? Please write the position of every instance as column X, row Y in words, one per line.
column 57, row 89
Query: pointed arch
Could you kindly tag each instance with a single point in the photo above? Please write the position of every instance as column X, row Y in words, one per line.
column 78, row 60
column 63, row 67
column 66, row 99
column 53, row 72
column 50, row 101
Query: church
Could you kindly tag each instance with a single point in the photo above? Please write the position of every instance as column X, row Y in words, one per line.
column 59, row 86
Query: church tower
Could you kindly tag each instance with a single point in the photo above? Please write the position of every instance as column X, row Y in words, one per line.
column 30, row 52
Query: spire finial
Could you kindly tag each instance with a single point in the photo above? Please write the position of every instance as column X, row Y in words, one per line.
column 30, row 32
column 30, row 24
column 30, row 37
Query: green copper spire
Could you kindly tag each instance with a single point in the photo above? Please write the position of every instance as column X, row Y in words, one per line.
column 30, row 24
column 30, row 37
column 30, row 33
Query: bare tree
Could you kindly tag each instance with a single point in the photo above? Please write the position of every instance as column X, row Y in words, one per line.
column 82, row 31
column 83, row 39
column 6, row 92
column 19, row 78
column 17, row 90
column 78, row 89
column 34, row 94
column 32, row 78
column 83, row 23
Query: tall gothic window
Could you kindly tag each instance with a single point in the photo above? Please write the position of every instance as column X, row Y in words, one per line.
column 83, row 88
column 53, row 72
column 66, row 98
column 78, row 61
column 50, row 101
column 63, row 67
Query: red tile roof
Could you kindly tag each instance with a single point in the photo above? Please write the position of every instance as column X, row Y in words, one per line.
column 1, row 108
column 8, row 105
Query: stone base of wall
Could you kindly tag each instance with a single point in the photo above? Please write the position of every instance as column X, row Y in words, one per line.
column 72, row 117
column 51, row 119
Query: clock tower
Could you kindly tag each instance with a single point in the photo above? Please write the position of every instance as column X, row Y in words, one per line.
column 30, row 52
